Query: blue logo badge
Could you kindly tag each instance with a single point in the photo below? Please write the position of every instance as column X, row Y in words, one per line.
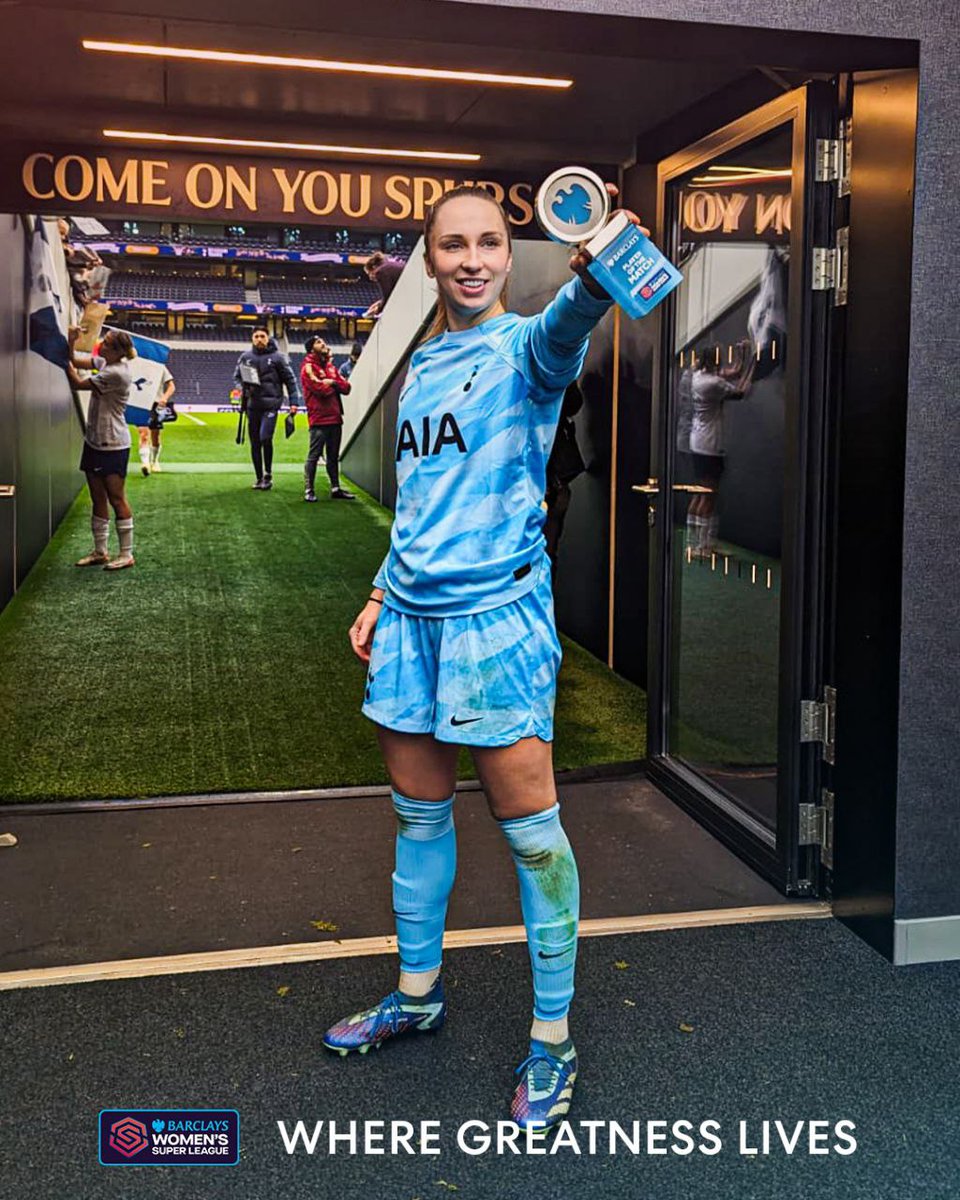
column 572, row 205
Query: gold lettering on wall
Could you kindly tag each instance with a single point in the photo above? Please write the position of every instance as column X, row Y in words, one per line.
column 394, row 190
column 212, row 185
column 524, row 206
column 496, row 188
column 152, row 179
column 62, row 183
column 116, row 188
column 426, row 191
column 245, row 188
column 362, row 206
column 29, row 178
column 288, row 189
column 101, row 179
column 310, row 193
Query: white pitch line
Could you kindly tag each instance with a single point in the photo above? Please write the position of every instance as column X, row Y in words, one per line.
column 195, row 420
column 263, row 956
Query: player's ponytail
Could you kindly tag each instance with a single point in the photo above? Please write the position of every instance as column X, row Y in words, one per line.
column 441, row 323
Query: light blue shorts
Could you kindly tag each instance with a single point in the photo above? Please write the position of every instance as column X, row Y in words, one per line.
column 483, row 680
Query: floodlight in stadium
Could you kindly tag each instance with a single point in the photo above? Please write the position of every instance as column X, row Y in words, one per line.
column 323, row 64
column 320, row 147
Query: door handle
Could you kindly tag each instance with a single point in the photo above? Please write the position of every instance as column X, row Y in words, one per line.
column 8, row 489
column 650, row 488
column 697, row 488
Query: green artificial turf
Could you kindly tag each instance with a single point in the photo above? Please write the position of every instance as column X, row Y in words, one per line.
column 221, row 661
column 214, row 441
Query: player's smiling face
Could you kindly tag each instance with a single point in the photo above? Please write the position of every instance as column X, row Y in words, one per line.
column 469, row 257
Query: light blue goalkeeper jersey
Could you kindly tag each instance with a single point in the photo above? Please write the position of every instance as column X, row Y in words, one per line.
column 477, row 417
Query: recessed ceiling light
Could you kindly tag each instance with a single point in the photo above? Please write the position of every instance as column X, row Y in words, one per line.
column 324, row 64
column 318, row 147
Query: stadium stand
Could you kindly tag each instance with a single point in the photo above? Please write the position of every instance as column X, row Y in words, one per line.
column 148, row 329
column 203, row 376
column 270, row 239
column 318, row 291
column 136, row 285
column 213, row 333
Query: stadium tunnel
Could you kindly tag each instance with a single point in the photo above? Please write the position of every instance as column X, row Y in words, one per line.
column 785, row 192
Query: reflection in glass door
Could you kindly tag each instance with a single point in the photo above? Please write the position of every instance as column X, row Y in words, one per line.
column 729, row 358
column 737, row 493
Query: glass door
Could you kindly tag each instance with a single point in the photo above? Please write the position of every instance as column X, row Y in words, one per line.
column 737, row 487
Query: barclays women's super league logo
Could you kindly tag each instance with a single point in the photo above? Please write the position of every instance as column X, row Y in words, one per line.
column 188, row 1137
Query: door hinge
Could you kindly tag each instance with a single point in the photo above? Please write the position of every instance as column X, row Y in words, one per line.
column 816, row 827
column 829, row 160
column 831, row 267
column 818, row 723
column 824, row 268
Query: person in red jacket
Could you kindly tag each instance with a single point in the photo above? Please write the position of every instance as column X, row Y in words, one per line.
column 322, row 386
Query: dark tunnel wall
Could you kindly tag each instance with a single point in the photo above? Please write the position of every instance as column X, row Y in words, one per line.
column 40, row 435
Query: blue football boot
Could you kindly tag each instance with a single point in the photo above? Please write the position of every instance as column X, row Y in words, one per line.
column 394, row 1015
column 545, row 1089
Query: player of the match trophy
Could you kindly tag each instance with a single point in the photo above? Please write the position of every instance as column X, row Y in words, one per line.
column 573, row 207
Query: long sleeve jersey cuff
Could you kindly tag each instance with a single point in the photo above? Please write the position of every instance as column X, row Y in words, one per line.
column 574, row 313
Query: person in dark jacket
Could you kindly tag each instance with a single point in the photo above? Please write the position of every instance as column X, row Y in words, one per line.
column 346, row 367
column 263, row 373
column 323, row 385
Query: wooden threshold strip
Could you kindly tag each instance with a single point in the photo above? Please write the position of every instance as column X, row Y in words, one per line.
column 264, row 956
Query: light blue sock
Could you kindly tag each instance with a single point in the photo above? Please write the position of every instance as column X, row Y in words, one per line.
column 426, row 863
column 550, row 900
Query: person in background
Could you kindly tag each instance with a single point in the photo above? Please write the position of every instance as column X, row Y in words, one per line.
column 712, row 385
column 346, row 368
column 384, row 272
column 162, row 413
column 322, row 386
column 268, row 373
column 80, row 262
column 106, row 444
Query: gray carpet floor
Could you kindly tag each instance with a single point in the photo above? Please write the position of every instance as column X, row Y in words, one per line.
column 795, row 1021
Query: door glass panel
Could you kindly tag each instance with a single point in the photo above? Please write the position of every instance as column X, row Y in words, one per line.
column 727, row 439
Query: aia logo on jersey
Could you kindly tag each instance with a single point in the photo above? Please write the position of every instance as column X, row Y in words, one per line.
column 430, row 442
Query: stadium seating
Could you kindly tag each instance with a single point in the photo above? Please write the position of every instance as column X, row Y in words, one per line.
column 203, row 376
column 148, row 329
column 213, row 333
column 318, row 291
column 136, row 285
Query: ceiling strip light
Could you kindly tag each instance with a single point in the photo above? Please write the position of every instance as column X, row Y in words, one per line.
column 319, row 147
column 726, row 169
column 323, row 64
